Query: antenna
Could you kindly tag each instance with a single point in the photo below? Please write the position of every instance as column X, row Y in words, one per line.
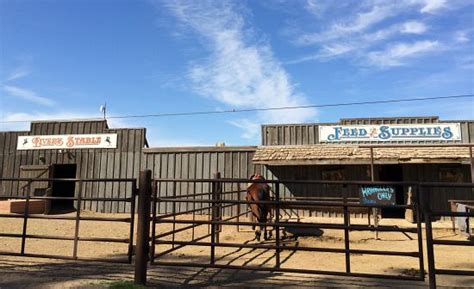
column 103, row 109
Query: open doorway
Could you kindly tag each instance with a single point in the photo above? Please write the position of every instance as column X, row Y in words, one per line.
column 63, row 188
column 393, row 173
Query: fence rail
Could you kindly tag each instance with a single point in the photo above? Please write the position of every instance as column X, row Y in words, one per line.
column 214, row 223
column 228, row 193
column 77, row 218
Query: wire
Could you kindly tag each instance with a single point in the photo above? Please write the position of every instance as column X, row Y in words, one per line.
column 191, row 113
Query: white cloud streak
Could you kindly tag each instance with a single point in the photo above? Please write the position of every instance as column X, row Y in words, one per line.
column 359, row 32
column 240, row 72
column 18, row 73
column 432, row 6
column 413, row 27
column 27, row 94
column 396, row 54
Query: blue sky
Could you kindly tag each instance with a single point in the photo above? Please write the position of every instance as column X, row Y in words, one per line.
column 63, row 59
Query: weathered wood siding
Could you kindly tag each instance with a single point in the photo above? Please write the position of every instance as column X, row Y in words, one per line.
column 411, row 172
column 314, row 172
column 199, row 163
column 122, row 162
column 304, row 134
column 439, row 195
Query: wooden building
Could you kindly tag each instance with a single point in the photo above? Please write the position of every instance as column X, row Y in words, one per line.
column 122, row 161
column 288, row 152
column 300, row 152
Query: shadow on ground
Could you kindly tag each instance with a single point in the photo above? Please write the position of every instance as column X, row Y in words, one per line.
column 18, row 272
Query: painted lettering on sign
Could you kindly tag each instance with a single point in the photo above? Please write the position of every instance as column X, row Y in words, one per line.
column 81, row 141
column 375, row 194
column 441, row 132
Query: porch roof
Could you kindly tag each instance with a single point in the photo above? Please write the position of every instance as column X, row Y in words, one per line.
column 354, row 154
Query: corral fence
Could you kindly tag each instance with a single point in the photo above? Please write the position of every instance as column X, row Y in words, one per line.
column 221, row 202
column 215, row 201
column 28, row 196
column 430, row 215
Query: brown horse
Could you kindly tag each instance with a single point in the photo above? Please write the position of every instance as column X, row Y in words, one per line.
column 259, row 192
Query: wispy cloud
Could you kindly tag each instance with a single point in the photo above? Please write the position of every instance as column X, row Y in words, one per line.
column 432, row 6
column 27, row 94
column 241, row 70
column 11, row 121
column 396, row 54
column 461, row 36
column 18, row 73
column 413, row 27
column 364, row 26
column 20, row 120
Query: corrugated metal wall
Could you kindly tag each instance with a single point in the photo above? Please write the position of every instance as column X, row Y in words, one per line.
column 304, row 134
column 199, row 163
column 122, row 162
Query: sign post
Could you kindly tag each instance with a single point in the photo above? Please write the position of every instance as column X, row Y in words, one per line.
column 377, row 195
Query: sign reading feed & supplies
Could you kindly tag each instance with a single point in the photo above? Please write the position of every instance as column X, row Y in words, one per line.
column 377, row 194
column 70, row 141
column 390, row 132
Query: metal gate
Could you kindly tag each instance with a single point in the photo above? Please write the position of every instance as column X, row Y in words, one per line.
column 227, row 193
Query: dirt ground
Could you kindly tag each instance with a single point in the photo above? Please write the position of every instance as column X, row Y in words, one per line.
column 22, row 272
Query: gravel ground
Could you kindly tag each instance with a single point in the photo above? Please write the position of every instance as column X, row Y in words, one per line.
column 22, row 272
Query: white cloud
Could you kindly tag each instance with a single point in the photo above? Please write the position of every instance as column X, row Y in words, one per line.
column 27, row 94
column 240, row 72
column 11, row 121
column 413, row 27
column 395, row 54
column 18, row 73
column 356, row 31
column 432, row 6
column 461, row 37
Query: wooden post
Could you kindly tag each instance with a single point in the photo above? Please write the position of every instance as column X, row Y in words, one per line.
column 375, row 211
column 143, row 228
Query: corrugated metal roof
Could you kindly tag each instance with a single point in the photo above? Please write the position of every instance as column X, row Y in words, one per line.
column 353, row 154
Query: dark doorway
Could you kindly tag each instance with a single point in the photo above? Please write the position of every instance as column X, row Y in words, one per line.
column 393, row 173
column 63, row 188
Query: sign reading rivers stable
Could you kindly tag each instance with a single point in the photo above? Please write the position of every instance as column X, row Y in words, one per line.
column 390, row 132
column 70, row 141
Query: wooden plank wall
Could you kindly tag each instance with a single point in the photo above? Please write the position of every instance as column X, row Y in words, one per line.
column 314, row 172
column 411, row 172
column 122, row 162
column 199, row 163
column 307, row 134
column 440, row 195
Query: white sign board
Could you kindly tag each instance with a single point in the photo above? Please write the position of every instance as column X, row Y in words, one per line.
column 390, row 132
column 70, row 141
